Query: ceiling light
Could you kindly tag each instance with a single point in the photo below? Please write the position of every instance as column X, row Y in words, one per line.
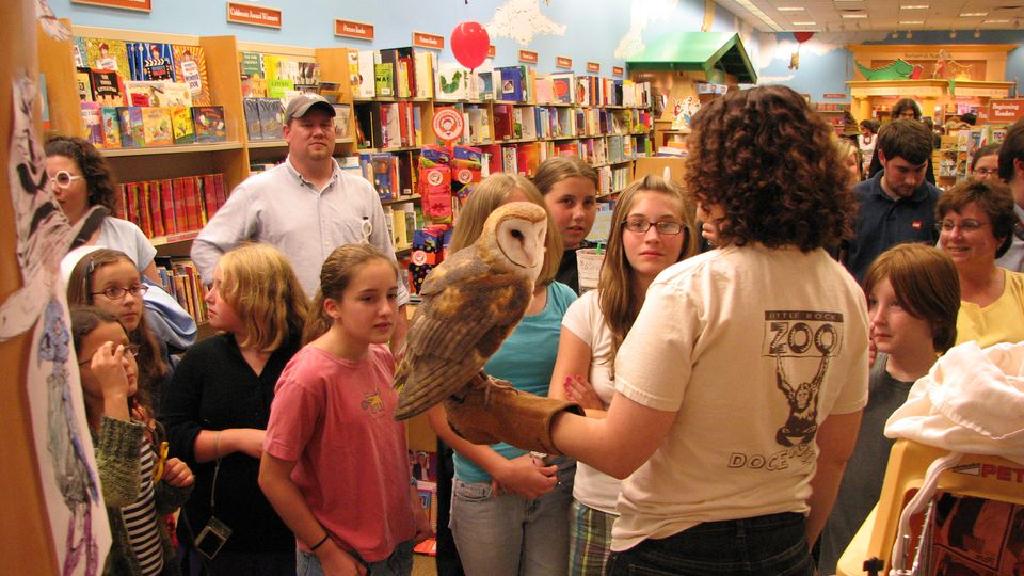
column 790, row 8
column 855, row 15
column 908, row 22
column 760, row 15
column 805, row 23
column 973, row 14
column 914, row 7
column 995, row 21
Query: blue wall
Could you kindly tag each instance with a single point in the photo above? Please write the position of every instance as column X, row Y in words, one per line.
column 593, row 28
column 826, row 65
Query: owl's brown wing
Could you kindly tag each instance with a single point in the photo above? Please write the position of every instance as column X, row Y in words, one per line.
column 466, row 313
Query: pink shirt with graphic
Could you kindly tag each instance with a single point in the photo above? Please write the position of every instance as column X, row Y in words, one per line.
column 335, row 419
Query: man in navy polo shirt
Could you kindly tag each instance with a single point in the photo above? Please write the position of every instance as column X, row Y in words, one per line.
column 897, row 204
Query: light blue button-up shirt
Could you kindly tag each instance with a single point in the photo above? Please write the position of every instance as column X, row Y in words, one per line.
column 282, row 208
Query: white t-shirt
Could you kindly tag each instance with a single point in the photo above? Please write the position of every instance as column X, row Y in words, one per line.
column 585, row 319
column 122, row 235
column 708, row 344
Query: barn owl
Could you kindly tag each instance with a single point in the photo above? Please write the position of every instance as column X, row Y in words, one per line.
column 471, row 303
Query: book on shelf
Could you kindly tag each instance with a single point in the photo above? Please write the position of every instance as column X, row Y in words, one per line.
column 109, row 128
column 182, row 126
column 129, row 121
column 156, row 126
column 342, row 121
column 563, row 88
column 381, row 170
column 107, row 87
column 384, row 79
column 271, row 118
column 83, row 81
column 451, row 81
column 363, row 78
column 251, row 111
column 181, row 279
column 424, row 73
column 209, row 123
column 169, row 206
column 190, row 70
column 107, row 54
column 92, row 122
column 512, row 83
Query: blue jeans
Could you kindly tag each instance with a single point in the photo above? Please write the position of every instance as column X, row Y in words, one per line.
column 508, row 535
column 398, row 564
column 774, row 544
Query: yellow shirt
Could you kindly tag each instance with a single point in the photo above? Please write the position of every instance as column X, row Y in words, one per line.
column 1000, row 321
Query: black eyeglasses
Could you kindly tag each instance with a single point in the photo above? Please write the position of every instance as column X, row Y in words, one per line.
column 664, row 228
column 129, row 350
column 986, row 171
column 115, row 293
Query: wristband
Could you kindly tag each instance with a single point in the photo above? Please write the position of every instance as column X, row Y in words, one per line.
column 320, row 543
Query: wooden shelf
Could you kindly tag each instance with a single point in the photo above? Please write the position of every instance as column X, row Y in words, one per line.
column 284, row 143
column 174, row 238
column 165, row 150
column 401, row 200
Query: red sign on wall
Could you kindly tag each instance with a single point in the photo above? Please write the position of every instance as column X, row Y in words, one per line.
column 136, row 5
column 529, row 56
column 252, row 15
column 425, row 40
column 618, row 71
column 353, row 29
column 593, row 67
column 1005, row 110
column 563, row 62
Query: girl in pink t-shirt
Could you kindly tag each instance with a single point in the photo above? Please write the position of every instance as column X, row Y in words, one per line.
column 335, row 461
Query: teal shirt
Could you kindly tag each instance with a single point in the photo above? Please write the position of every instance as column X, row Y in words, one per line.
column 526, row 359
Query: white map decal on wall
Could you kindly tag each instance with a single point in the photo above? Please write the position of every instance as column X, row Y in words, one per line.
column 521, row 20
column 642, row 13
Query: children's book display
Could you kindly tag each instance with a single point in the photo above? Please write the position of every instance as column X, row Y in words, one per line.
column 137, row 94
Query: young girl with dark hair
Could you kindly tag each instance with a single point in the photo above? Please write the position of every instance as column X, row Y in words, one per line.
column 335, row 464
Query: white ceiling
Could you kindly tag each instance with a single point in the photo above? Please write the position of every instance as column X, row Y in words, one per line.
column 889, row 15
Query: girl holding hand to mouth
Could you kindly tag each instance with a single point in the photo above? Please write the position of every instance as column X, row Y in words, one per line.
column 651, row 230
column 975, row 220
column 913, row 298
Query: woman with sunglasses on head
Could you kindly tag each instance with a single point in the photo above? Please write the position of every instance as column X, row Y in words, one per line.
column 975, row 221
column 139, row 484
column 109, row 280
column 652, row 228
column 84, row 186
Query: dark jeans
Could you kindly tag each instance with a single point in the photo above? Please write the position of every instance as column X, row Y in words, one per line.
column 774, row 544
column 447, row 560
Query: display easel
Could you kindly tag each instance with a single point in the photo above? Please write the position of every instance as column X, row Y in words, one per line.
column 988, row 477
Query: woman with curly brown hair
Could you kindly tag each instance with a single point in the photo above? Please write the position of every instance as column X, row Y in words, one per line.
column 739, row 388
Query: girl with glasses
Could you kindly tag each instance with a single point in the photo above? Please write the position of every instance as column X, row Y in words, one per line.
column 109, row 280
column 975, row 221
column 139, row 484
column 652, row 229
column 85, row 187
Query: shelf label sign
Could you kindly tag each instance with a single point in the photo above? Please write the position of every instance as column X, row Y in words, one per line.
column 1007, row 110
column 835, row 95
column 491, row 51
column 252, row 15
column 353, row 29
column 618, row 71
column 136, row 5
column 563, row 62
column 529, row 56
column 593, row 67
column 425, row 40
column 448, row 124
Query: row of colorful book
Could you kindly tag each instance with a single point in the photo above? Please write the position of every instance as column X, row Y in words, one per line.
column 134, row 127
column 958, row 150
column 148, row 61
column 388, row 124
column 402, row 221
column 181, row 279
column 171, row 205
column 266, row 75
column 411, row 73
column 612, row 179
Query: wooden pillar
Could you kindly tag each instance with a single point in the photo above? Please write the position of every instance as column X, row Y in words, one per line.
column 25, row 544
column 861, row 108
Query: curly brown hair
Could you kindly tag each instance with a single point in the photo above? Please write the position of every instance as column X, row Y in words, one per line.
column 768, row 161
column 100, row 184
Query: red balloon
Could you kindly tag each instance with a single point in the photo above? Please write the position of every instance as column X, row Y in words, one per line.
column 470, row 43
column 802, row 37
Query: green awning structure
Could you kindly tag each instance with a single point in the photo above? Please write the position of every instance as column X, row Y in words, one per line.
column 707, row 51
